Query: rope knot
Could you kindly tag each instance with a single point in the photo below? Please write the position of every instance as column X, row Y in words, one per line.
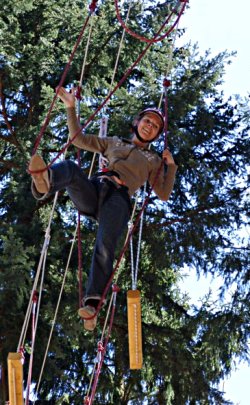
column 21, row 351
column 166, row 83
column 115, row 288
column 86, row 401
column 35, row 297
column 100, row 347
column 78, row 93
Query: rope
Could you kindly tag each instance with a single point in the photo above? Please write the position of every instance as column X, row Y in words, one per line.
column 134, row 271
column 86, row 52
column 80, row 258
column 56, row 312
column 78, row 96
column 159, row 38
column 34, row 299
column 101, row 348
column 38, row 272
column 170, row 63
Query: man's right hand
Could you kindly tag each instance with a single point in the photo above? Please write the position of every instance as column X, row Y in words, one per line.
column 68, row 98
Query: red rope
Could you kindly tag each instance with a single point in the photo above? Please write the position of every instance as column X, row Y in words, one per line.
column 166, row 84
column 103, row 347
column 144, row 39
column 46, row 122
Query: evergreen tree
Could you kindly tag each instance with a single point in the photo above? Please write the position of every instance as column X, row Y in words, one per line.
column 188, row 350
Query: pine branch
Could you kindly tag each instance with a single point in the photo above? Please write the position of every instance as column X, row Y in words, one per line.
column 12, row 138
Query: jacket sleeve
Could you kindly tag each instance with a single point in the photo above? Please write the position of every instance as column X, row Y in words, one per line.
column 92, row 143
column 162, row 180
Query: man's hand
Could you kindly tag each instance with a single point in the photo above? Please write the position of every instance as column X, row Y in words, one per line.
column 167, row 156
column 67, row 98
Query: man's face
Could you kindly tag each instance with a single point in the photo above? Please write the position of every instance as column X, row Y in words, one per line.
column 149, row 126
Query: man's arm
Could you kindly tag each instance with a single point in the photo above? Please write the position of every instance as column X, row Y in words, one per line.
column 164, row 183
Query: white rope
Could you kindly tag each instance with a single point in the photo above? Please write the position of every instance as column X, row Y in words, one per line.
column 134, row 270
column 86, row 50
column 110, row 87
column 38, row 273
column 119, row 49
column 56, row 312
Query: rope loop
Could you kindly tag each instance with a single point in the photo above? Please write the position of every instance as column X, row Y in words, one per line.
column 156, row 38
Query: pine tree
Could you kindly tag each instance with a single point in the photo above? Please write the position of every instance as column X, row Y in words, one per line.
column 187, row 349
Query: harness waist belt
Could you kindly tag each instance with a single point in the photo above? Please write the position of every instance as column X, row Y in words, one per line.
column 112, row 176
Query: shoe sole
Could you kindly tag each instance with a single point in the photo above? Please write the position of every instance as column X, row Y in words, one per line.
column 41, row 180
column 89, row 324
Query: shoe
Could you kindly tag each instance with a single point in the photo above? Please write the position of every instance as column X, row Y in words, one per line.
column 41, row 180
column 86, row 312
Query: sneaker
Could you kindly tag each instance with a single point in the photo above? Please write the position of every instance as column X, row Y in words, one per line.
column 41, row 180
column 86, row 312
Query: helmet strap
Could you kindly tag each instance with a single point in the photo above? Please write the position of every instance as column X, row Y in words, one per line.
column 135, row 128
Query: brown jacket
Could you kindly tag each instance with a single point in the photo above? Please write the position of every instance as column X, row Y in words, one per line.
column 134, row 165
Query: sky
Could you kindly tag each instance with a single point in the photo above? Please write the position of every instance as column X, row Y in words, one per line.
column 221, row 25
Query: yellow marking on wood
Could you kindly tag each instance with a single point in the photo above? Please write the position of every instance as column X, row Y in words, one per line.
column 134, row 329
column 15, row 377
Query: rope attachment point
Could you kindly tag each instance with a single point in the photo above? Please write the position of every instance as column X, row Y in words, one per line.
column 166, row 82
column 115, row 288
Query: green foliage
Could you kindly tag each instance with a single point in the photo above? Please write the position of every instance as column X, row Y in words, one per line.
column 187, row 350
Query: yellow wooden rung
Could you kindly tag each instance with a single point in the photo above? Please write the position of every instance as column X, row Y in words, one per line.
column 134, row 329
column 15, row 378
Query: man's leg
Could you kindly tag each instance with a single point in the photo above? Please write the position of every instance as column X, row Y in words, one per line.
column 67, row 175
column 113, row 218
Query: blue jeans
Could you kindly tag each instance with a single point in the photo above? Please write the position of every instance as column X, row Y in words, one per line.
column 106, row 203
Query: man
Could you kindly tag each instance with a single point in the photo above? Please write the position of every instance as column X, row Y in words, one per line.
column 106, row 196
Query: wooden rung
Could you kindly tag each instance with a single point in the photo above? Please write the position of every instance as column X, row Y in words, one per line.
column 134, row 329
column 15, row 378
